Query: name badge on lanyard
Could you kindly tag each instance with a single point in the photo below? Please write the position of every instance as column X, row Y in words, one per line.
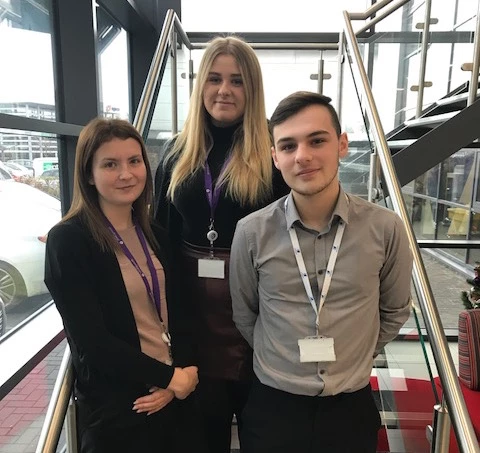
column 211, row 268
column 317, row 348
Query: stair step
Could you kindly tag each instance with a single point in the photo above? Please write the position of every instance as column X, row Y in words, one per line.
column 430, row 120
column 453, row 99
column 400, row 144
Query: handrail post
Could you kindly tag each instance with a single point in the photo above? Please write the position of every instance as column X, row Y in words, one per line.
column 57, row 408
column 321, row 66
column 441, row 429
column 71, row 427
column 473, row 88
column 372, row 176
column 173, row 69
column 446, row 368
column 423, row 57
column 340, row 67
column 190, row 76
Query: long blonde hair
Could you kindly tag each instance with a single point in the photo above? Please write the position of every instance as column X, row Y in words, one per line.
column 85, row 203
column 248, row 175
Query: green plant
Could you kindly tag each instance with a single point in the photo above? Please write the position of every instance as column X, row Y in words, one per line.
column 471, row 298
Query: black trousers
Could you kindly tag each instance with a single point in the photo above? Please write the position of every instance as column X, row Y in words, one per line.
column 281, row 422
column 173, row 429
column 218, row 400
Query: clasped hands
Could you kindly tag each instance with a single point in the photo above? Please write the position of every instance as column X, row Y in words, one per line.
column 183, row 383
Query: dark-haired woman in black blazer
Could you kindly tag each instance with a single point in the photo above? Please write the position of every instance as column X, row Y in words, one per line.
column 107, row 269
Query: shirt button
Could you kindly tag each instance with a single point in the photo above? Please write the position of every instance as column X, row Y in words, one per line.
column 322, row 371
column 320, row 272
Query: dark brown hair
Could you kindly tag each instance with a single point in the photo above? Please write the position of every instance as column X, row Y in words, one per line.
column 298, row 101
column 85, row 203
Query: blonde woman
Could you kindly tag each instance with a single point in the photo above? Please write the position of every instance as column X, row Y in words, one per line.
column 216, row 171
column 109, row 272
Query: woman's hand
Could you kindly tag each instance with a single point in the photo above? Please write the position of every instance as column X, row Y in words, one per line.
column 184, row 381
column 152, row 403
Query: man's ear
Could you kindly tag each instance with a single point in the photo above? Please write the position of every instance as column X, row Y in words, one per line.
column 342, row 145
column 274, row 157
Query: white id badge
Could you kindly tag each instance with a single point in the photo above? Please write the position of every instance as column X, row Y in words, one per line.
column 317, row 349
column 211, row 268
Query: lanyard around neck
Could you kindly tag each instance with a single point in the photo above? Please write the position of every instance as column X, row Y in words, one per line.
column 330, row 266
column 213, row 193
column 155, row 293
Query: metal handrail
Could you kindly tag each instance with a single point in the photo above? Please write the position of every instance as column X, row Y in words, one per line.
column 456, row 404
column 370, row 11
column 382, row 16
column 57, row 407
column 145, row 105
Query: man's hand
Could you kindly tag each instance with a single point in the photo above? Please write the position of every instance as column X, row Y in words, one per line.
column 184, row 381
column 152, row 403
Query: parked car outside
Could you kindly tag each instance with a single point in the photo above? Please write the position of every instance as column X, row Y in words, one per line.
column 5, row 174
column 16, row 174
column 25, row 162
column 50, row 174
column 26, row 214
column 19, row 169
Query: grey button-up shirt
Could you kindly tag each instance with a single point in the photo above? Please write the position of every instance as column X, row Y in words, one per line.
column 368, row 300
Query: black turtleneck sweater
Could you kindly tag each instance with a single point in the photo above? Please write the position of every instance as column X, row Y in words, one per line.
column 188, row 218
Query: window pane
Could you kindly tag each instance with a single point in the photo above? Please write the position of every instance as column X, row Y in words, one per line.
column 26, row 82
column 29, row 207
column 457, row 177
column 112, row 50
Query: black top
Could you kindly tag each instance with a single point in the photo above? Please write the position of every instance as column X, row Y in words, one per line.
column 88, row 289
column 188, row 218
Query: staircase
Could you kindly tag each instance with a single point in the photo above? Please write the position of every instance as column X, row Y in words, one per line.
column 447, row 126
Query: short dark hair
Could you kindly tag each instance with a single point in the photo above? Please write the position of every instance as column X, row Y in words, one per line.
column 298, row 101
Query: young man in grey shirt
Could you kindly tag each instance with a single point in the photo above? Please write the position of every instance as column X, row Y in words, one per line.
column 320, row 283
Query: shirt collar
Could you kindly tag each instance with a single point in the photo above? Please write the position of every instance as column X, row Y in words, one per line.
column 340, row 210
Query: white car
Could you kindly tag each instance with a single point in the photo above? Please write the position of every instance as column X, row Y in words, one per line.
column 5, row 174
column 26, row 214
column 18, row 170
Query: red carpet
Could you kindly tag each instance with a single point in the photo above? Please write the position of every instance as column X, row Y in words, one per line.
column 412, row 400
column 472, row 400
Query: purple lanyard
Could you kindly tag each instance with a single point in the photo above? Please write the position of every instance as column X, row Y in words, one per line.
column 213, row 194
column 155, row 294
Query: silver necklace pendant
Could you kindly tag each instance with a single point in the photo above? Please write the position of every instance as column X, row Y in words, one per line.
column 212, row 236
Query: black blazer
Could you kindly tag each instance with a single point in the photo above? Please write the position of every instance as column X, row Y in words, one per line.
column 88, row 289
